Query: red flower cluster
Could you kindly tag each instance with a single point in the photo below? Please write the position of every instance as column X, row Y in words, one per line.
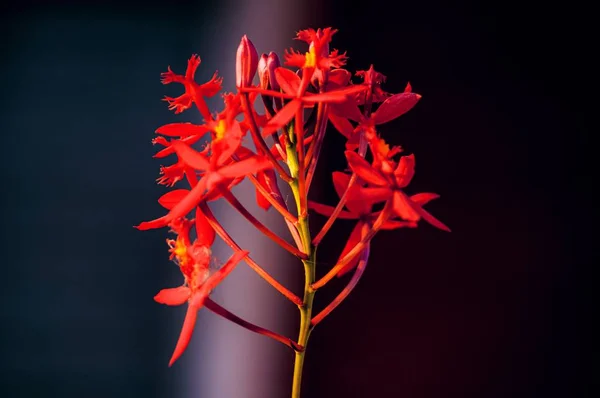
column 287, row 131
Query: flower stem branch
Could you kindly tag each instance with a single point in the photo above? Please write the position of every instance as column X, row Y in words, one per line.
column 309, row 266
column 217, row 309
column 259, row 140
column 360, row 246
column 235, row 203
column 257, row 268
column 358, row 273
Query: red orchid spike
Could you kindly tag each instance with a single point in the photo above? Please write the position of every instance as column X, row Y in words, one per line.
column 295, row 137
column 194, row 92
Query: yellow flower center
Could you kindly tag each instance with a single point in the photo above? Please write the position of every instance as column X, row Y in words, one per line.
column 310, row 58
column 179, row 250
column 220, row 130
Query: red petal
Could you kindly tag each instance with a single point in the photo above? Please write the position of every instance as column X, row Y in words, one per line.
column 244, row 167
column 340, row 182
column 182, row 130
column 389, row 225
column 190, row 157
column 395, row 106
column 333, row 96
column 364, row 170
column 288, row 80
column 205, row 234
column 169, row 149
column 431, row 219
column 186, row 333
column 405, row 170
column 158, row 223
column 423, row 198
column 170, row 199
column 353, row 240
column 173, row 296
column 341, row 124
column 347, row 109
column 369, row 195
column 282, row 117
column 190, row 201
column 328, row 210
column 403, row 207
column 268, row 180
column 341, row 77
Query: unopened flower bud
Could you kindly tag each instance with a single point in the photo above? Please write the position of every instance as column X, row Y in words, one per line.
column 272, row 64
column 246, row 62
column 263, row 74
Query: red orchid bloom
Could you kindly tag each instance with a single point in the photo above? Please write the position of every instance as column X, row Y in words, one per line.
column 217, row 169
column 194, row 92
column 317, row 62
column 193, row 261
column 386, row 183
column 362, row 211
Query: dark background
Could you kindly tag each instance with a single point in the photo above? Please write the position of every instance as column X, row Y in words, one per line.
column 493, row 309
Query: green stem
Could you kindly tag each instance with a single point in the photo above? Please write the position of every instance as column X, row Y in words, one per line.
column 309, row 265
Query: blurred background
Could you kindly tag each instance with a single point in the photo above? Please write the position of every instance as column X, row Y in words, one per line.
column 492, row 310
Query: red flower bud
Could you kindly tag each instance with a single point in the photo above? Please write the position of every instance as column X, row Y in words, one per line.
column 263, row 74
column 246, row 62
column 272, row 64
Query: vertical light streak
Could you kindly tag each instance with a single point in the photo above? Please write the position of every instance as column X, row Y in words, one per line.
column 229, row 361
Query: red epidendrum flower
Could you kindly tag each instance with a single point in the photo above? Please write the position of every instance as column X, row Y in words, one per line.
column 286, row 132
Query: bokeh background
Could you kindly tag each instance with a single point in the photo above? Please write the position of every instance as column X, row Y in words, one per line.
column 494, row 309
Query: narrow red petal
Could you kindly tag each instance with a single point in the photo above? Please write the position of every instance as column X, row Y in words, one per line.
column 353, row 240
column 182, row 129
column 341, row 124
column 389, row 225
column 173, row 296
column 244, row 167
column 190, row 157
column 431, row 219
column 395, row 106
column 186, row 333
column 268, row 179
column 340, row 182
column 170, row 199
column 364, row 170
column 282, row 117
column 190, row 201
column 328, row 211
column 205, row 234
column 288, row 80
column 369, row 195
column 158, row 223
column 423, row 198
